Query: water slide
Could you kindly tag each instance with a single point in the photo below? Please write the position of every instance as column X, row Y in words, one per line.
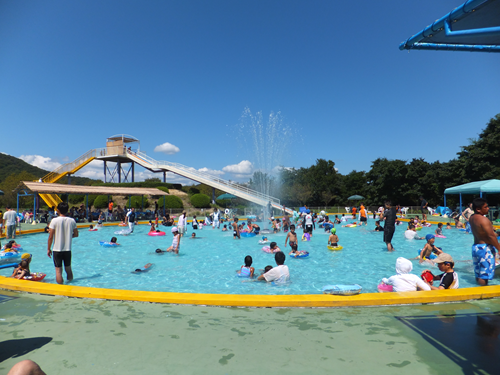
column 159, row 166
column 204, row 178
column 53, row 200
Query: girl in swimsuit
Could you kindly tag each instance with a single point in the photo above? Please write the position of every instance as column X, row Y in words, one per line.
column 247, row 270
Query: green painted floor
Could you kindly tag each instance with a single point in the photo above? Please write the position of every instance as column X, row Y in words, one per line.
column 77, row 336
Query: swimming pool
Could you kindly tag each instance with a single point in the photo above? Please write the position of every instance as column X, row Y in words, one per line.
column 208, row 264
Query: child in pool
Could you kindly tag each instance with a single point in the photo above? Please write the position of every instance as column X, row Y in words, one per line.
column 25, row 257
column 113, row 241
column 337, row 220
column 267, row 269
column 22, row 270
column 224, row 229
column 152, row 227
column 247, row 270
column 11, row 246
column 292, row 238
column 333, row 239
column 100, row 220
column 193, row 235
column 91, row 228
column 429, row 248
column 176, row 242
column 410, row 223
column 448, row 226
column 274, row 247
column 439, row 230
column 449, row 278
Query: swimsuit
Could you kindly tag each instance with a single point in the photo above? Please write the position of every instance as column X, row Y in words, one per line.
column 483, row 260
column 245, row 272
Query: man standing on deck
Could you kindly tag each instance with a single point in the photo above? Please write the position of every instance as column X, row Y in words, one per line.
column 423, row 207
column 62, row 230
column 131, row 219
column 485, row 242
column 9, row 223
column 390, row 224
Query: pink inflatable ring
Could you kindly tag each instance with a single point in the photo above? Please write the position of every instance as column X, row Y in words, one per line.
column 157, row 233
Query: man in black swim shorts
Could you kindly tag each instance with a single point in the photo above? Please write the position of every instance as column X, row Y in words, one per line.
column 390, row 224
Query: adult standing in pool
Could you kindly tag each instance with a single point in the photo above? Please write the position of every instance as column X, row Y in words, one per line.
column 485, row 242
column 216, row 222
column 131, row 219
column 423, row 207
column 181, row 224
column 390, row 224
column 62, row 230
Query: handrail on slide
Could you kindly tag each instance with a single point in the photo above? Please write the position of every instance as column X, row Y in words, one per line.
column 206, row 176
column 64, row 169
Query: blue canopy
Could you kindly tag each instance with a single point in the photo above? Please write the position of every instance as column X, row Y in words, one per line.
column 477, row 187
column 473, row 26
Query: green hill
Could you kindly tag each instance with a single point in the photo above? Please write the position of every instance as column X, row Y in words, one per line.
column 11, row 165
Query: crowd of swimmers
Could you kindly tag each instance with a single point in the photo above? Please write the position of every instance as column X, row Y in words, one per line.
column 484, row 249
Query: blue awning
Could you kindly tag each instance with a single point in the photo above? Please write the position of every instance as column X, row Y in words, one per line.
column 473, row 26
column 477, row 187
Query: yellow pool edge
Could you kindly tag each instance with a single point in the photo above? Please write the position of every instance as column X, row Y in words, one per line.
column 245, row 300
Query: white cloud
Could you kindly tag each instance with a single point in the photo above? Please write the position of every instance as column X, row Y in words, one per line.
column 241, row 169
column 41, row 162
column 167, row 148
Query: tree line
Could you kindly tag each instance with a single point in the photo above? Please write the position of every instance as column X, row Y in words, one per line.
column 401, row 181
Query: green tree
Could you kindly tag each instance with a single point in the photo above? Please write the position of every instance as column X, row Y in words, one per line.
column 10, row 184
column 481, row 159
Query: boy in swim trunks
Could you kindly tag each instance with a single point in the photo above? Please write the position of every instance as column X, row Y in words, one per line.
column 429, row 248
column 449, row 278
column 292, row 238
column 333, row 239
column 236, row 230
column 485, row 242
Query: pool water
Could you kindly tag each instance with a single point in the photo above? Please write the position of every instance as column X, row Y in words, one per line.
column 209, row 263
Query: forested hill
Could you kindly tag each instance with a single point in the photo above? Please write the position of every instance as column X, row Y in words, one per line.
column 10, row 165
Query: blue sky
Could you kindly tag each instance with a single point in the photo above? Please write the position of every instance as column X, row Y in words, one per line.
column 73, row 73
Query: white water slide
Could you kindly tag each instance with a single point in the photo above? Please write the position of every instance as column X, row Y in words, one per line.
column 204, row 178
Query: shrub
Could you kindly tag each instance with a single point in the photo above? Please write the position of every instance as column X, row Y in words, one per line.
column 92, row 198
column 171, row 201
column 137, row 202
column 200, row 201
column 193, row 191
column 76, row 198
column 162, row 188
column 101, row 201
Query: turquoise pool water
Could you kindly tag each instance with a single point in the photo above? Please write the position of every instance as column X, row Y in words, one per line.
column 208, row 264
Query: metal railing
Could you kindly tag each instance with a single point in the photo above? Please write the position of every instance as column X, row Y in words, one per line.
column 69, row 167
column 227, row 186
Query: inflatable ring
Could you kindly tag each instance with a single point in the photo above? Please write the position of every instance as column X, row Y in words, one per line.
column 351, row 225
column 107, row 244
column 300, row 254
column 262, row 242
column 122, row 225
column 246, row 234
column 267, row 249
column 342, row 290
column 226, row 211
column 432, row 256
column 418, row 228
column 93, row 230
column 384, row 288
column 9, row 255
column 439, row 236
column 157, row 233
column 35, row 276
column 334, row 248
